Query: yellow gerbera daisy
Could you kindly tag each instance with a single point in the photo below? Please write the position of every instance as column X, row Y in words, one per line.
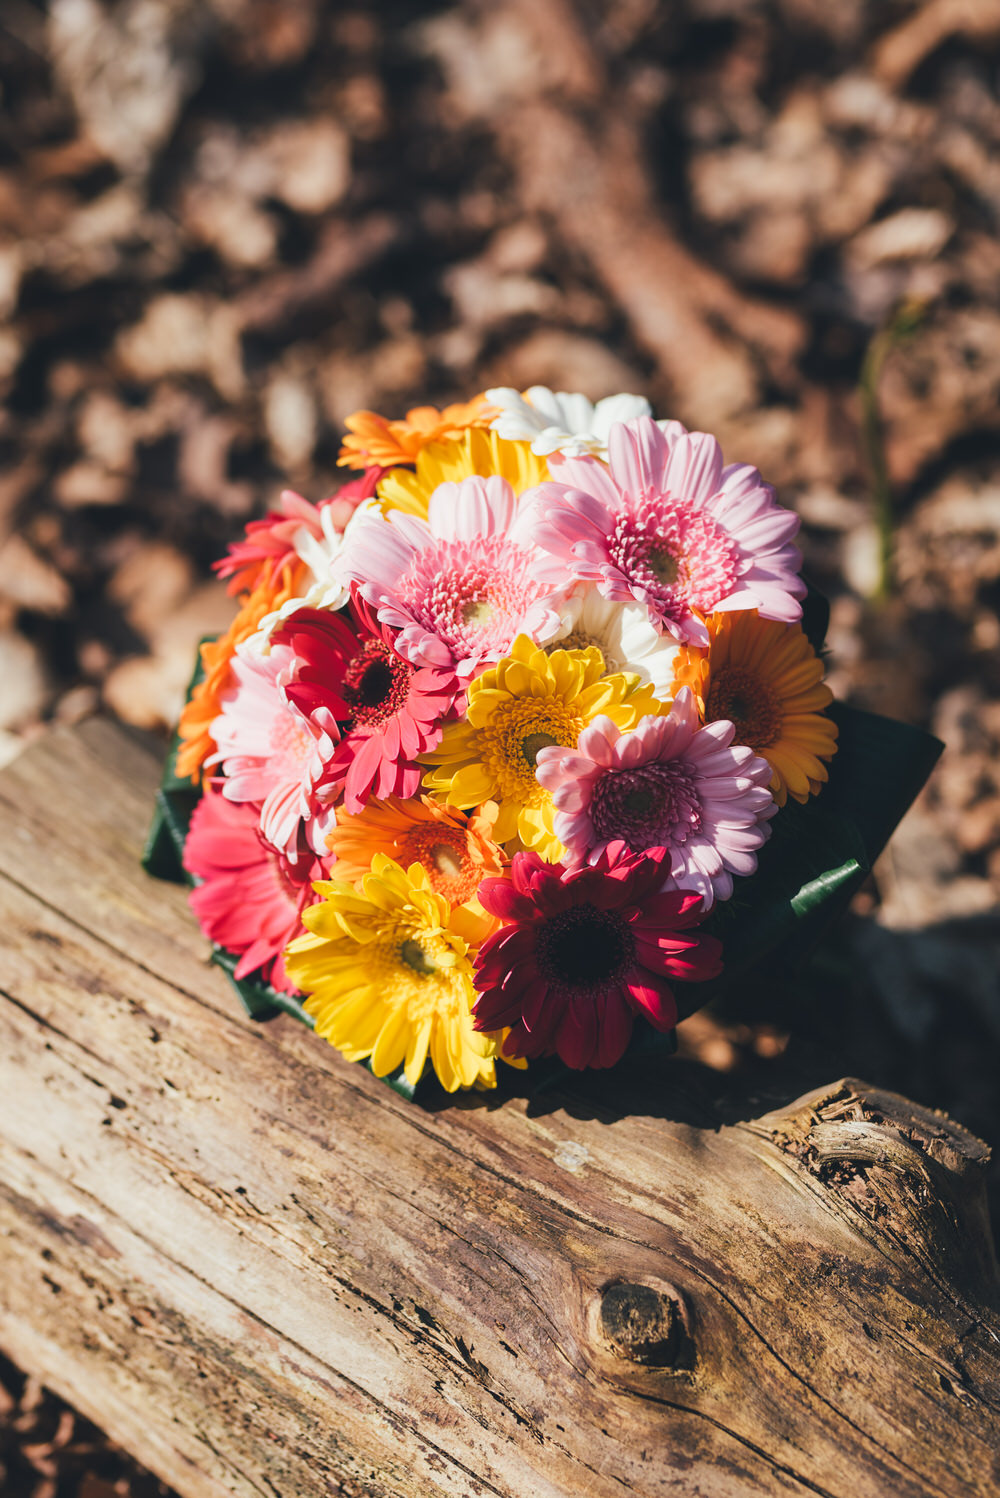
column 474, row 452
column 526, row 701
column 767, row 679
column 456, row 852
column 374, row 441
column 387, row 967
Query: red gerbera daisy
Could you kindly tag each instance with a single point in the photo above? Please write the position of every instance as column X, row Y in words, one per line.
column 390, row 710
column 250, row 899
column 583, row 952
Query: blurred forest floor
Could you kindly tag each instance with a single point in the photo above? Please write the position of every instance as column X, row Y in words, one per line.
column 227, row 224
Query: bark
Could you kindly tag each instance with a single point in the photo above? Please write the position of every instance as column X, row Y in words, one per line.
column 264, row 1273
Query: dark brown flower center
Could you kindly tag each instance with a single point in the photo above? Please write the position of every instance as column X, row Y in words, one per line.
column 376, row 684
column 584, row 949
column 740, row 695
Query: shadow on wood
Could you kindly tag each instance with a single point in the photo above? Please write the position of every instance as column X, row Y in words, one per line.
column 264, row 1273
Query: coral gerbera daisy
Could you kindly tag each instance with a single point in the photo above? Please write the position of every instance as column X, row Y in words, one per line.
column 194, row 732
column 272, row 752
column 476, row 452
column 375, row 441
column 766, row 678
column 583, row 952
column 530, row 699
column 388, row 709
column 457, row 587
column 668, row 784
column 249, row 898
column 387, row 966
column 456, row 852
column 666, row 525
column 561, row 422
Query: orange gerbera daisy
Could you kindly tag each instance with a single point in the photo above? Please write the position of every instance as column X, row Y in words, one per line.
column 765, row 677
column 374, row 441
column 456, row 852
column 202, row 708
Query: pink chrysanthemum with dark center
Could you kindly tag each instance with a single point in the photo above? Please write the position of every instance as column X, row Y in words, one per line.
column 582, row 952
column 249, row 898
column 667, row 525
column 668, row 785
column 389, row 710
column 458, row 587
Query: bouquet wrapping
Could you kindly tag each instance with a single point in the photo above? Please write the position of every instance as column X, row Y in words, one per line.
column 519, row 745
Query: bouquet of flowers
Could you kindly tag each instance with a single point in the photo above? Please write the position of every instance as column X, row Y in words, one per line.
column 519, row 745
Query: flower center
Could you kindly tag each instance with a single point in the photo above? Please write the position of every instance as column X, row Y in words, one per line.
column 653, row 806
column 414, row 955
column 477, row 612
column 673, row 558
column 533, row 743
column 753, row 705
column 579, row 639
column 584, row 949
column 444, row 853
column 376, row 684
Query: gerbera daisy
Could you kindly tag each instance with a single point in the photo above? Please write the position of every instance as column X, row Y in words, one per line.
column 530, row 699
column 583, row 952
column 249, row 898
column 476, row 452
column 375, row 441
column 387, row 966
column 297, row 529
column 666, row 525
column 668, row 784
column 563, row 422
column 767, row 680
column 622, row 633
column 388, row 709
column 272, row 752
column 194, row 732
column 457, row 587
column 455, row 852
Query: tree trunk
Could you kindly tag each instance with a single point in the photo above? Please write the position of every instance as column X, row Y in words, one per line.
column 265, row 1273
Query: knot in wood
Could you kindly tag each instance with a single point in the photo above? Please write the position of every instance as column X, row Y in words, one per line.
column 642, row 1324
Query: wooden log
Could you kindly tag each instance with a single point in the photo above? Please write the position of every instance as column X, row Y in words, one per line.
column 265, row 1273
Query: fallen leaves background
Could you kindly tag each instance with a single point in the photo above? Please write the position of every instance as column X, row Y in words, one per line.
column 226, row 224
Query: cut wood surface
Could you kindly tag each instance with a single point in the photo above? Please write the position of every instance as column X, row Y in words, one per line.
column 265, row 1273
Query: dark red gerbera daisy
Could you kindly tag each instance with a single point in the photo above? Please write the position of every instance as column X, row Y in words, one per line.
column 583, row 952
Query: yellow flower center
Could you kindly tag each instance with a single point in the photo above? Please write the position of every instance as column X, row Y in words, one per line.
column 741, row 696
column 415, row 956
column 510, row 741
column 477, row 611
column 531, row 745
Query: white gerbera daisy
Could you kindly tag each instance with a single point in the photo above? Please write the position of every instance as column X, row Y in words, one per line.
column 323, row 590
column 561, row 422
column 622, row 633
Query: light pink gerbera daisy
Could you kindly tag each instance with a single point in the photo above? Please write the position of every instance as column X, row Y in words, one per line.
column 582, row 952
column 272, row 752
column 668, row 784
column 667, row 525
column 250, row 898
column 459, row 586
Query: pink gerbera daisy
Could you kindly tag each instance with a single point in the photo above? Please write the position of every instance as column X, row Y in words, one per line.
column 390, row 710
column 458, row 587
column 271, row 751
column 667, row 525
column 669, row 784
column 584, row 951
column 250, row 898
column 278, row 537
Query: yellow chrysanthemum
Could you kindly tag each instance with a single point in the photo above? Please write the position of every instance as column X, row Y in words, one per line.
column 387, row 967
column 528, row 700
column 374, row 441
column 456, row 852
column 474, row 452
column 203, row 706
column 767, row 679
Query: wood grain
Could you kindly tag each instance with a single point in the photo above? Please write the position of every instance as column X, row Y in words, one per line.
column 265, row 1273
